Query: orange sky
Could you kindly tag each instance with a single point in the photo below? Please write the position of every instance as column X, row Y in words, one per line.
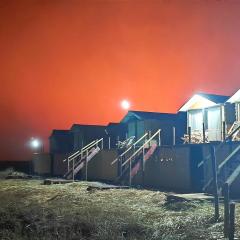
column 72, row 61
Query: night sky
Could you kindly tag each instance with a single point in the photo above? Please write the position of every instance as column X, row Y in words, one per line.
column 73, row 61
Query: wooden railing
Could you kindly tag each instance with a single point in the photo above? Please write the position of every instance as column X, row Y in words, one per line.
column 83, row 154
column 120, row 157
column 142, row 148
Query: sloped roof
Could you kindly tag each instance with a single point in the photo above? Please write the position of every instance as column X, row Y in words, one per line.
column 202, row 100
column 235, row 97
column 214, row 97
column 140, row 115
column 59, row 132
column 81, row 126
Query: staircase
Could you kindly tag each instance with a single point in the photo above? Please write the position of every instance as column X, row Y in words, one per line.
column 134, row 158
column 80, row 158
column 226, row 171
column 234, row 131
column 227, row 168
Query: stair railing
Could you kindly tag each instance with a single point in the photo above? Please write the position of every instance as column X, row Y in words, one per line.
column 81, row 152
column 142, row 148
column 228, row 138
column 121, row 156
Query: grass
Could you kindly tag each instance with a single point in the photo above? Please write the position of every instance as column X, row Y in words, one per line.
column 31, row 210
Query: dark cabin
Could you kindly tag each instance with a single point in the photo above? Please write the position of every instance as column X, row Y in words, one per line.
column 61, row 142
column 210, row 111
column 138, row 123
column 115, row 132
column 84, row 134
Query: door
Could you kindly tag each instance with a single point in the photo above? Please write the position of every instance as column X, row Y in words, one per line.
column 195, row 120
column 214, row 123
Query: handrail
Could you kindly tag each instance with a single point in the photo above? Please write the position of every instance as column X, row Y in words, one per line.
column 69, row 158
column 221, row 165
column 133, row 146
column 135, row 153
column 233, row 176
column 78, row 153
column 228, row 157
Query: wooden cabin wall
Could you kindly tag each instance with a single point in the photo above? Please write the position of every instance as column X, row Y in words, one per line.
column 59, row 167
column 230, row 114
column 42, row 164
column 100, row 168
column 166, row 129
column 169, row 168
column 61, row 143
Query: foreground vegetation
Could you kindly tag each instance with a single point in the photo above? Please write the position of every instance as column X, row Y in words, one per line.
column 31, row 210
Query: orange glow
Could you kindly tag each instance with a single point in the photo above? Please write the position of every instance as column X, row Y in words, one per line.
column 65, row 62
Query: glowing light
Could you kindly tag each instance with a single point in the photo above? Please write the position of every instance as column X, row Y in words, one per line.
column 125, row 104
column 35, row 143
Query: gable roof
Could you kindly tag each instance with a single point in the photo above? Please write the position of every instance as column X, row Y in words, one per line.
column 235, row 97
column 203, row 100
column 59, row 132
column 85, row 126
column 140, row 115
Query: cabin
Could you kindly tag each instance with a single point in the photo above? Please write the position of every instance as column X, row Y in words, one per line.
column 172, row 125
column 235, row 99
column 114, row 132
column 84, row 134
column 209, row 116
column 60, row 141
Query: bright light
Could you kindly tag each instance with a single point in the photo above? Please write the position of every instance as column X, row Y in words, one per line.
column 125, row 104
column 35, row 143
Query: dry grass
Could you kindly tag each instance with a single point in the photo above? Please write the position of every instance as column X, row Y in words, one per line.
column 30, row 210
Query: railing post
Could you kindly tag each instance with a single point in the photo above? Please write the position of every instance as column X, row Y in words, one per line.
column 224, row 130
column 102, row 143
column 68, row 164
column 174, row 136
column 215, row 182
column 204, row 133
column 130, row 170
column 189, row 135
column 143, row 168
column 226, row 209
column 231, row 221
column 109, row 143
column 86, row 173
column 159, row 138
column 73, row 169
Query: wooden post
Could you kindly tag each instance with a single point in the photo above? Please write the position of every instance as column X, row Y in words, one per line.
column 204, row 133
column 159, row 138
column 143, row 168
column 73, row 169
column 86, row 173
column 223, row 130
column 174, row 136
column 117, row 141
column 215, row 183
column 189, row 135
column 130, row 170
column 231, row 221
column 226, row 209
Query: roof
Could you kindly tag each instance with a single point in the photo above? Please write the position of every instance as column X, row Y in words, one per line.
column 58, row 132
column 80, row 126
column 235, row 97
column 140, row 115
column 214, row 97
column 203, row 100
